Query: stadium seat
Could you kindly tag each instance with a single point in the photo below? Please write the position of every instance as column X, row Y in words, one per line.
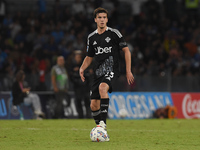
column 18, row 108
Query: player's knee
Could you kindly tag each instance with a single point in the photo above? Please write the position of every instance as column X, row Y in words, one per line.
column 93, row 107
column 103, row 88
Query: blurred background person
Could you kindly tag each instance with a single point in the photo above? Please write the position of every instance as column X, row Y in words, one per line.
column 21, row 94
column 3, row 9
column 81, row 89
column 8, row 80
column 60, row 83
column 41, row 6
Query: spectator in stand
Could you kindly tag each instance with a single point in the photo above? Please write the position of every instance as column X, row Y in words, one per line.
column 57, row 12
column 98, row 3
column 3, row 57
column 34, row 75
column 42, row 72
column 78, row 7
column 20, row 17
column 15, row 28
column 170, row 9
column 7, row 20
column 31, row 35
column 21, row 94
column 89, row 8
column 152, row 11
column 109, row 5
column 3, row 9
column 42, row 6
column 8, row 80
column 79, row 43
column 70, row 36
column 68, row 51
column 50, row 49
column 58, row 34
column 191, row 47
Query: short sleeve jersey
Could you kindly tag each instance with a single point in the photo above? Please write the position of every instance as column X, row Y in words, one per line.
column 105, row 48
column 61, row 77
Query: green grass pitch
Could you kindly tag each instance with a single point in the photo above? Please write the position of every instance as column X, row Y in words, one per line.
column 73, row 134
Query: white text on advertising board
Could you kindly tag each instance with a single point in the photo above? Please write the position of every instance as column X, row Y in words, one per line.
column 191, row 107
column 138, row 106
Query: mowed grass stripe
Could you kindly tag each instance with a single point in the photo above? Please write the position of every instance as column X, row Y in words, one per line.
column 72, row 134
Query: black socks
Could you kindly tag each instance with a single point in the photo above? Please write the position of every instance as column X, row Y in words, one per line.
column 102, row 113
column 104, row 108
column 97, row 116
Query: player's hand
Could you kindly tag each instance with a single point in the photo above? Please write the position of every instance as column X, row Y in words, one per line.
column 81, row 73
column 56, row 89
column 130, row 77
column 26, row 90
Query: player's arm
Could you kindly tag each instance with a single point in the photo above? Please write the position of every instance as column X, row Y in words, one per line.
column 86, row 63
column 53, row 81
column 129, row 75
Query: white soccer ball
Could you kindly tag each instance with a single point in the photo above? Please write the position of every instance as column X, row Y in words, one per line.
column 98, row 134
column 123, row 113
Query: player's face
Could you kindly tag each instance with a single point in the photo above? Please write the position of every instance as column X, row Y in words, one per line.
column 60, row 61
column 101, row 20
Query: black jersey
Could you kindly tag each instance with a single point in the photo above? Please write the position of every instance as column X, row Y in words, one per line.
column 105, row 48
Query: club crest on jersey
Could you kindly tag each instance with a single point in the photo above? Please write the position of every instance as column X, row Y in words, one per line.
column 94, row 43
column 108, row 39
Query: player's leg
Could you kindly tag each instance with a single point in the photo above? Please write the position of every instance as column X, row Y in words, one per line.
column 103, row 91
column 104, row 87
column 95, row 101
column 59, row 106
column 78, row 102
column 96, row 111
column 87, row 104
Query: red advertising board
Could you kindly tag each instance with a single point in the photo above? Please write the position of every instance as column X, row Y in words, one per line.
column 187, row 104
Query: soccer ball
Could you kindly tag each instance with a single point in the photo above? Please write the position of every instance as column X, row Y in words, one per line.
column 98, row 134
column 123, row 113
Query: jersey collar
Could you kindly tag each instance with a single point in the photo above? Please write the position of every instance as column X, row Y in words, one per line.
column 96, row 31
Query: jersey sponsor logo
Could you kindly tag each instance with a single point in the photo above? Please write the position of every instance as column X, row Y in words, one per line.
column 94, row 43
column 100, row 50
column 108, row 39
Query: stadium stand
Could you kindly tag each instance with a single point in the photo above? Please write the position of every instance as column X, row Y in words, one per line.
column 165, row 47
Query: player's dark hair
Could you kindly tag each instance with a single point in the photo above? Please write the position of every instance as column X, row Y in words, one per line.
column 19, row 75
column 100, row 10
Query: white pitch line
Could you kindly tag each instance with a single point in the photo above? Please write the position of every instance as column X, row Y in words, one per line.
column 84, row 129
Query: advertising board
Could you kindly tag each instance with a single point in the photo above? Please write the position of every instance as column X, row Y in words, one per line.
column 188, row 104
column 139, row 105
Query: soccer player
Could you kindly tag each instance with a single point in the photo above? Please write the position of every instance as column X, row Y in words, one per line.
column 104, row 45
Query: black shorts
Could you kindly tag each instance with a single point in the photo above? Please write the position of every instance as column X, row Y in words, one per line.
column 94, row 93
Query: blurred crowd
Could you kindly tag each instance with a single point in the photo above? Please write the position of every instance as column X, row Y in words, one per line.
column 163, row 37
